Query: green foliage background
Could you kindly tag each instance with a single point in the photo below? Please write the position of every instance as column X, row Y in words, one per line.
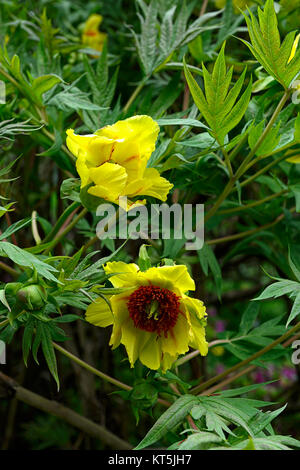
column 220, row 84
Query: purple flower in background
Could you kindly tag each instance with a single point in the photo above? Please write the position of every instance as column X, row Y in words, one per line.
column 212, row 311
column 289, row 373
column 259, row 377
column 220, row 326
column 219, row 369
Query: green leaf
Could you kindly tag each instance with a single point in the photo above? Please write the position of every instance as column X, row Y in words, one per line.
column 144, row 260
column 199, row 440
column 249, row 317
column 15, row 227
column 267, row 48
column 295, row 188
column 27, row 338
column 48, row 351
column 278, row 289
column 207, row 260
column 295, row 310
column 180, row 122
column 168, row 420
column 44, row 83
column 219, row 106
column 24, row 258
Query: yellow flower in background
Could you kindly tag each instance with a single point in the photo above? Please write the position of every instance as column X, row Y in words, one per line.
column 153, row 318
column 218, row 351
column 114, row 161
column 294, row 48
column 91, row 35
column 294, row 159
column 238, row 4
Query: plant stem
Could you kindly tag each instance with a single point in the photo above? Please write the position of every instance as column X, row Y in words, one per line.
column 74, row 419
column 243, row 167
column 4, row 323
column 263, row 170
column 9, row 270
column 91, row 369
column 134, row 95
column 253, row 204
column 200, row 388
column 221, row 199
column 248, row 232
column 279, row 107
column 61, row 220
column 66, row 231
column 243, row 372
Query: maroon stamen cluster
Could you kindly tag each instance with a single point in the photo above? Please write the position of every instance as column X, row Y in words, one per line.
column 154, row 308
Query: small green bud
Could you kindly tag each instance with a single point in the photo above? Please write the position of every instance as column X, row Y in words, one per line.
column 34, row 296
column 12, row 288
column 144, row 395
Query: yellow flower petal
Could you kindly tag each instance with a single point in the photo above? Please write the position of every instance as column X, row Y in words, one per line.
column 99, row 313
column 121, row 317
column 152, row 184
column 294, row 48
column 127, row 154
column 93, row 22
column 96, row 150
column 196, row 311
column 127, row 273
column 167, row 361
column 295, row 159
column 83, row 171
column 150, row 355
column 135, row 341
column 110, row 180
column 140, row 130
column 170, row 277
column 177, row 341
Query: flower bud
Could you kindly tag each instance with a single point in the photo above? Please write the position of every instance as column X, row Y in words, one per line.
column 144, row 395
column 34, row 296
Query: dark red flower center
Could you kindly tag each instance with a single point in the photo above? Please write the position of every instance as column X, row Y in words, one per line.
column 154, row 308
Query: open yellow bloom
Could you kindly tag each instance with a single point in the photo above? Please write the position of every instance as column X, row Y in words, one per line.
column 153, row 318
column 114, row 160
column 91, row 35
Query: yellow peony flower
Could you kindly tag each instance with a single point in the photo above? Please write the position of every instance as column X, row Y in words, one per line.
column 152, row 318
column 114, row 160
column 91, row 35
column 238, row 4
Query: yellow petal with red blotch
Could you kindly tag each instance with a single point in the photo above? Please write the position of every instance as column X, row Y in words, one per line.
column 93, row 22
column 141, row 130
column 110, row 180
column 127, row 154
column 99, row 313
column 152, row 184
column 126, row 274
